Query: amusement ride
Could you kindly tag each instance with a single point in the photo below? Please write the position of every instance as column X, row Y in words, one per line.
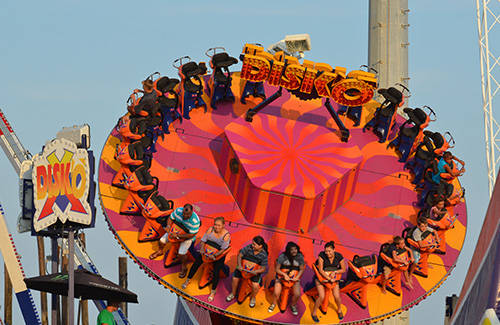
column 292, row 152
column 287, row 150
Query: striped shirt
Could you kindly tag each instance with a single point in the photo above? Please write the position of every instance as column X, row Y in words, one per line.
column 192, row 223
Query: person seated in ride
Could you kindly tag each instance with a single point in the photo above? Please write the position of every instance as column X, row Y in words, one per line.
column 256, row 251
column 290, row 259
column 396, row 249
column 148, row 101
column 328, row 260
column 190, row 220
column 446, row 168
column 438, row 210
column 219, row 237
column 422, row 227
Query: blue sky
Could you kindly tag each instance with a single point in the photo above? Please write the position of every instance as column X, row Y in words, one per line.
column 73, row 62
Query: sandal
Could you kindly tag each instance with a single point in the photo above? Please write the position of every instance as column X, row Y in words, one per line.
column 183, row 273
column 211, row 296
column 229, row 297
column 295, row 312
column 271, row 308
column 155, row 255
column 315, row 318
column 185, row 284
column 252, row 303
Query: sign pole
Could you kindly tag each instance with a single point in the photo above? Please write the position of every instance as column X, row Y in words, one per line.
column 55, row 302
column 42, row 271
column 71, row 276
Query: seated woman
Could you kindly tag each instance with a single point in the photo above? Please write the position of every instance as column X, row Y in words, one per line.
column 438, row 210
column 329, row 260
column 219, row 237
column 290, row 259
column 256, row 251
column 446, row 168
column 395, row 251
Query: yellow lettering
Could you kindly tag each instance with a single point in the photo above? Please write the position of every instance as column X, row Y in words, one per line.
column 292, row 77
column 255, row 68
column 308, row 82
column 276, row 72
column 322, row 83
column 42, row 182
column 78, row 191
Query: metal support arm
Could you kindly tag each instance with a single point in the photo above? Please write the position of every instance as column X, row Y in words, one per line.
column 344, row 132
column 252, row 111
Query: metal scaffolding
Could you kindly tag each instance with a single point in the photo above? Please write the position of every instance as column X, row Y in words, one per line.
column 488, row 16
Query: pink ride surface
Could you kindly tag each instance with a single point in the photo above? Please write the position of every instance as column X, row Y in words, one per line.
column 187, row 165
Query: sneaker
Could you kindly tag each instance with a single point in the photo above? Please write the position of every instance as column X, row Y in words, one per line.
column 229, row 297
column 315, row 318
column 271, row 308
column 252, row 303
column 295, row 312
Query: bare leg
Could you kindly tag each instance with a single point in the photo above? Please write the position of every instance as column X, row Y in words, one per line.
column 277, row 292
column 412, row 269
column 338, row 302
column 296, row 293
column 408, row 279
column 234, row 285
column 255, row 290
column 385, row 277
column 383, row 283
column 319, row 300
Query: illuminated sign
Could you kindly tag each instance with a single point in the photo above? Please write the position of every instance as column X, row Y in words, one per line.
column 307, row 80
column 61, row 181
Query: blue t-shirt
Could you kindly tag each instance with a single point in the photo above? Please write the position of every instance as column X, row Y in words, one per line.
column 440, row 167
column 192, row 223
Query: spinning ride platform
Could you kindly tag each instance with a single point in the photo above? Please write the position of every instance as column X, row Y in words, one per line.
column 287, row 177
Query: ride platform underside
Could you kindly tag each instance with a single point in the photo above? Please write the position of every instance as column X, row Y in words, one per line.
column 286, row 176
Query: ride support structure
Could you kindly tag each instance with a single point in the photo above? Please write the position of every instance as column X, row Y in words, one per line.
column 17, row 154
column 13, row 263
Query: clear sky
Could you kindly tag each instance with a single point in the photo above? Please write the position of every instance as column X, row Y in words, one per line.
column 73, row 62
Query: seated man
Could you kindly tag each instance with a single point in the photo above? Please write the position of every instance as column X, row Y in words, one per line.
column 290, row 259
column 397, row 248
column 148, row 101
column 419, row 234
column 187, row 218
column 256, row 251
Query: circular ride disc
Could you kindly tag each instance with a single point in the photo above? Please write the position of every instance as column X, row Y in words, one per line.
column 291, row 179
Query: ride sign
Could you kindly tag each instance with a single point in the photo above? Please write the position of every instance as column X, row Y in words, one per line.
column 61, row 182
column 307, row 80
